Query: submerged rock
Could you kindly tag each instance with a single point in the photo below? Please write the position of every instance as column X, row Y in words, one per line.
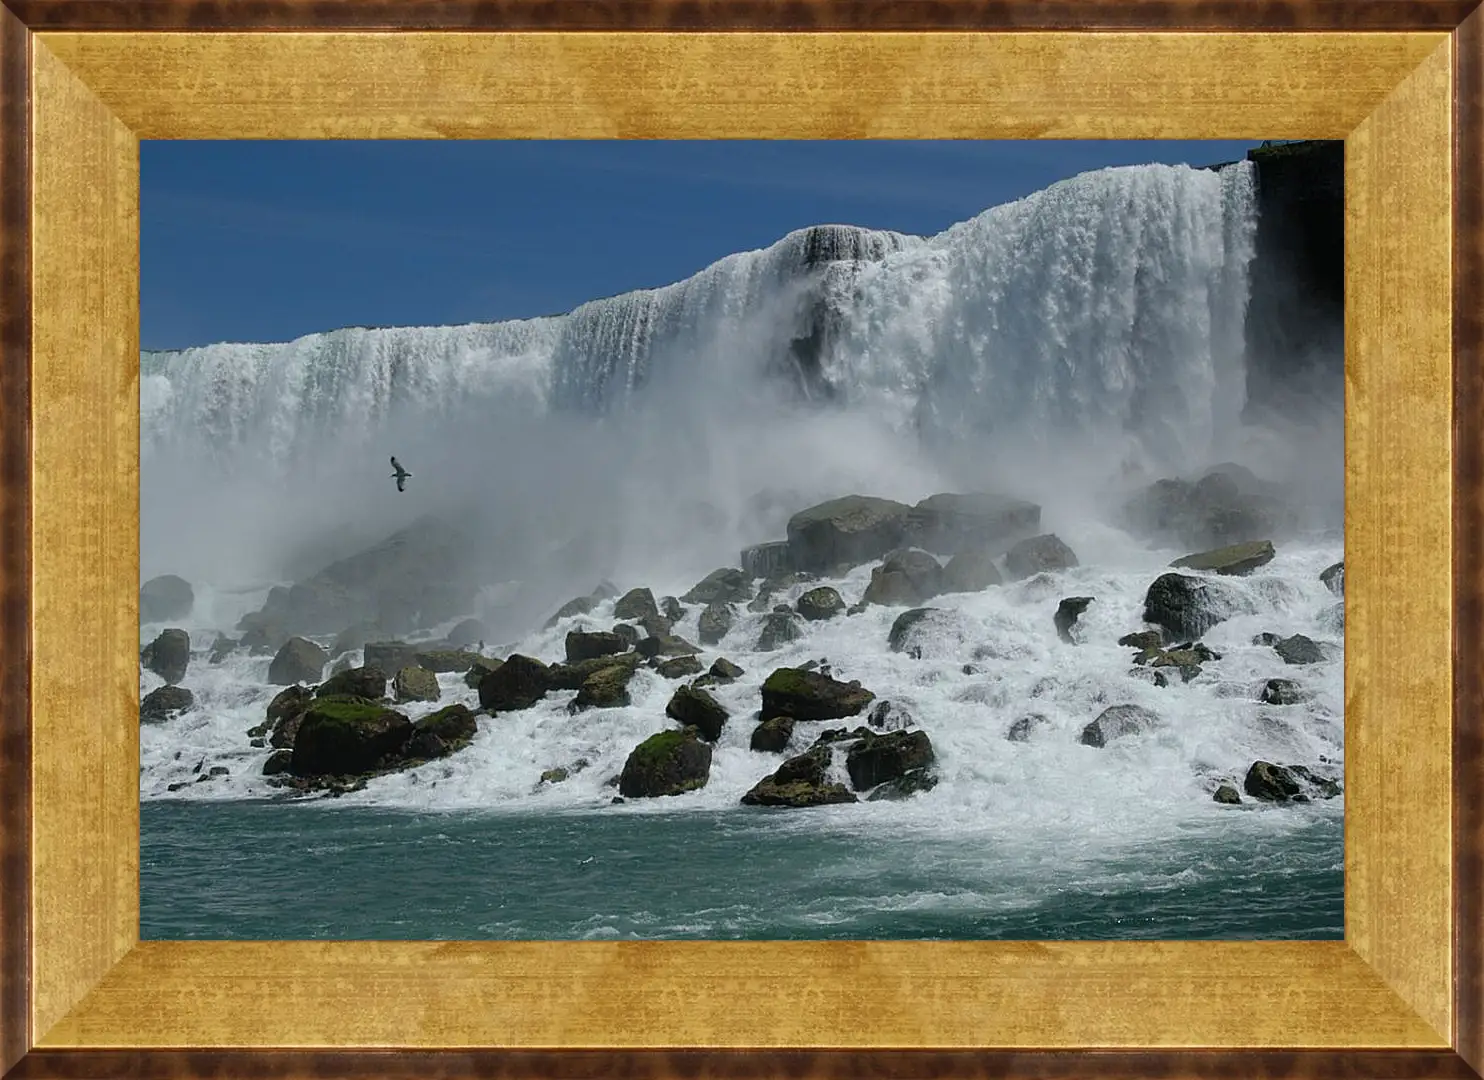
column 1067, row 614
column 300, row 660
column 808, row 695
column 1233, row 560
column 695, row 708
column 169, row 655
column 1038, row 555
column 669, row 763
column 165, row 597
column 1116, row 722
column 165, row 702
column 516, row 684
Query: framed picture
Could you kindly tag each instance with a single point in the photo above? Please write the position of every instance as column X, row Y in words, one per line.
column 84, row 81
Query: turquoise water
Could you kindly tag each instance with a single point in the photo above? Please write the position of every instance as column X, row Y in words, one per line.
column 283, row 871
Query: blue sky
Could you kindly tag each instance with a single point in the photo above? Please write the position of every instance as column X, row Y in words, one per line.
column 267, row 241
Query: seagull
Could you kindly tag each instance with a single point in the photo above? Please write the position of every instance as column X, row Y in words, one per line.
column 400, row 476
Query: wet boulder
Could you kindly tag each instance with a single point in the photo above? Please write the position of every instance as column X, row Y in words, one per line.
column 390, row 656
column 819, row 604
column 767, row 560
column 164, row 598
column 668, row 763
column 724, row 669
column 678, row 667
column 607, row 688
column 889, row 716
column 355, row 637
column 1116, row 722
column 715, row 622
column 1228, row 505
column 1271, row 783
column 947, row 523
column 696, row 708
column 279, row 762
column 363, row 682
column 905, row 577
column 971, row 570
column 665, row 645
column 516, row 684
column 1186, row 607
column 169, row 655
column 1067, row 614
column 1227, row 795
column 441, row 661
column 725, row 586
column 808, row 695
column 478, row 669
column 636, row 604
column 1038, row 555
column 913, row 782
column 1143, row 640
column 671, row 609
column 415, row 684
column 800, row 782
column 1299, row 649
column 1026, row 726
column 165, row 702
column 300, row 660
column 343, row 737
column 628, row 632
column 582, row 645
column 572, row 676
column 1281, row 692
column 846, row 532
column 877, row 759
column 444, row 732
column 779, row 628
column 1234, row 560
column 772, row 735
column 222, row 648
column 580, row 605
column 1334, row 578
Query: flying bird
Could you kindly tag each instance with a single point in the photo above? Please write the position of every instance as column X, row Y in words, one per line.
column 400, row 476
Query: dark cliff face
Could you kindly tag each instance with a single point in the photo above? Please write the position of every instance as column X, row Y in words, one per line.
column 1296, row 314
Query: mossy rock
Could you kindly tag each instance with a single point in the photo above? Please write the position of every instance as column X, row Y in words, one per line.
column 607, row 688
column 772, row 735
column 415, row 684
column 797, row 794
column 679, row 667
column 1143, row 640
column 1271, row 783
column 1235, row 560
column 478, row 669
column 878, row 759
column 345, row 736
column 572, row 676
column 164, row 703
column 668, row 763
column 819, row 604
column 808, row 695
column 363, row 682
column 696, row 708
column 518, row 683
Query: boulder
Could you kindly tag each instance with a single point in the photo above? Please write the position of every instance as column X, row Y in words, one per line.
column 799, row 782
column 846, row 532
column 444, row 732
column 808, row 695
column 1067, row 614
column 1186, row 607
column 665, row 645
column 946, row 524
column 1038, row 555
column 580, row 605
column 767, row 560
column 971, row 570
column 656, row 626
column 1143, row 640
column 164, row 598
column 343, row 737
column 1026, row 726
column 722, row 668
column 670, row 608
column 165, row 702
column 819, row 604
column 477, row 670
column 582, row 645
column 724, row 586
column 1116, row 722
column 278, row 763
column 169, row 655
column 516, row 684
column 919, row 627
column 877, row 759
column 1227, row 795
column 468, row 632
column 905, row 786
column 628, row 632
column 1299, row 650
column 779, row 628
column 904, row 578
column 678, row 667
column 669, row 763
column 1333, row 619
column 1334, row 578
column 698, row 709
column 1226, row 506
column 772, row 735
column 715, row 622
column 1281, row 692
column 1186, row 659
column 607, row 688
column 222, row 648
column 390, row 656
column 636, row 604
column 572, row 676
column 1271, row 783
column 887, row 716
column 300, row 660
column 415, row 684
column 441, row 661
column 362, row 682
column 1234, row 560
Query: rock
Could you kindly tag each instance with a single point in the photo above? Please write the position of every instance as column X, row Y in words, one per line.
column 799, row 782
column 572, row 676
column 669, row 763
column 1038, row 555
column 1334, row 578
column 1281, row 692
column 1186, row 659
column 766, row 560
column 518, row 683
column 288, row 703
column 169, row 655
column 724, row 586
column 355, row 637
column 628, row 632
column 723, row 668
column 165, row 597
column 1186, row 607
column 679, row 667
column 889, row 717
column 1022, row 729
column 1227, row 795
column 467, row 632
column 362, row 682
column 834, row 735
column 222, row 648
column 164, row 702
column 441, row 661
column 1155, row 678
column 1299, row 650
column 1233, row 560
column 922, row 627
column 670, row 608
column 343, row 737
column 905, row 577
column 636, row 604
column 715, row 622
column 947, row 524
column 845, row 532
column 819, row 604
column 587, row 646
column 877, row 759
column 1143, row 640
column 665, row 645
column 1271, row 783
column 779, row 628
column 698, row 709
column 444, row 732
column 477, row 670
column 1116, row 722
column 607, row 688
column 656, row 626
column 300, row 660
column 553, row 776
column 415, row 684
column 390, row 656
column 905, row 786
column 1317, row 786
column 972, row 570
column 1266, row 639
column 1067, row 614
column 278, row 763
column 1226, row 506
column 808, row 695
column 772, row 735
column 580, row 605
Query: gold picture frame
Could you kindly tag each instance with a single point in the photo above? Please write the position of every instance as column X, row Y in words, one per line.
column 84, row 80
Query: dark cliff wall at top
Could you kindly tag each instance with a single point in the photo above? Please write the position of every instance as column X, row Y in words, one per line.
column 1296, row 314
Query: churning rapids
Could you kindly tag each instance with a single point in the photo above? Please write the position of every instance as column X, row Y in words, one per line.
column 1071, row 349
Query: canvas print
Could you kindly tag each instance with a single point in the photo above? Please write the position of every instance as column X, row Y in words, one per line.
column 742, row 540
